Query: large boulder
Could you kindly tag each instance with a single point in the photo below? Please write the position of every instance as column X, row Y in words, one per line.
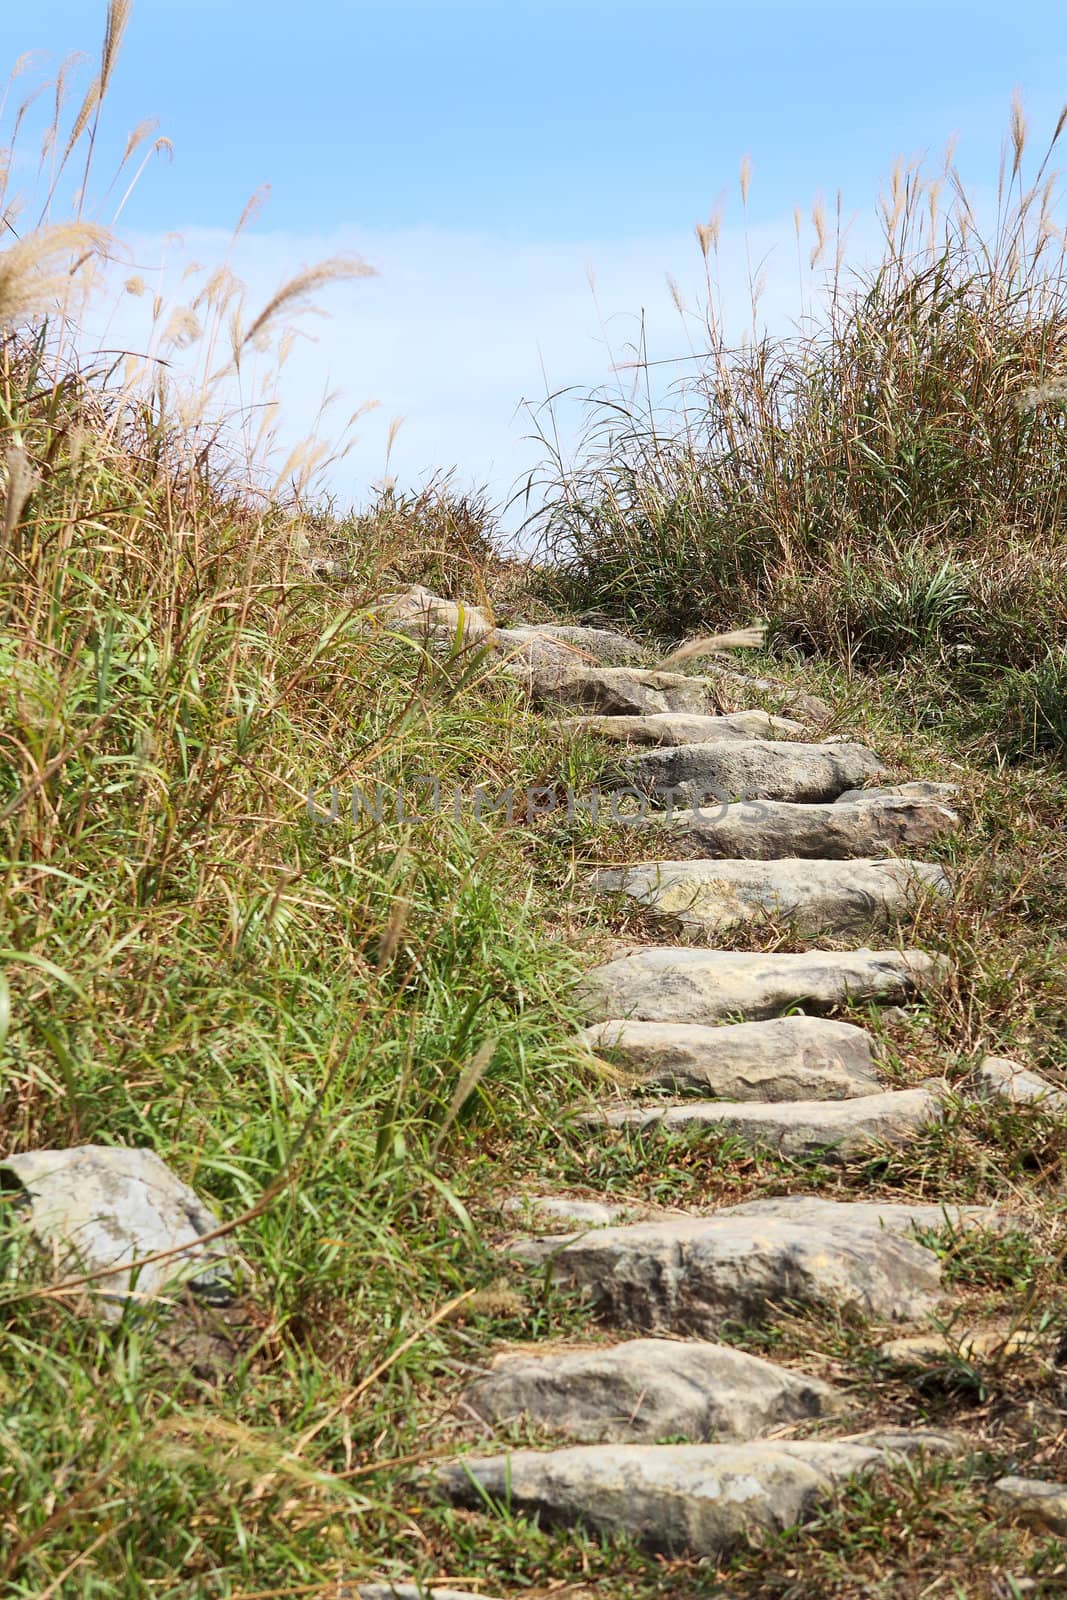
column 96, row 1210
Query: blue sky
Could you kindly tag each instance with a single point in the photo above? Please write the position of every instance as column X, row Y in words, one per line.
column 486, row 157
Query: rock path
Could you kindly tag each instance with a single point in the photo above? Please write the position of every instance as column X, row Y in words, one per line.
column 754, row 823
column 803, row 833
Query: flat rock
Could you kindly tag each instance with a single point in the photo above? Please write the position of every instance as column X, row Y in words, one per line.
column 649, row 1389
column 548, row 650
column 95, row 1207
column 1034, row 1501
column 419, row 607
column 624, row 691
column 892, row 1216
column 604, row 645
column 838, row 1129
column 669, row 983
column 562, row 1213
column 785, row 1058
column 701, row 1499
column 996, row 1075
column 692, row 1275
column 919, row 789
column 813, row 897
column 676, row 728
column 752, row 769
column 405, row 1591
column 765, row 830
column 927, row 1349
column 911, row 1441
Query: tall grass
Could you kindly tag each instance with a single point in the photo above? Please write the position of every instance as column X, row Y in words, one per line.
column 316, row 1025
column 886, row 480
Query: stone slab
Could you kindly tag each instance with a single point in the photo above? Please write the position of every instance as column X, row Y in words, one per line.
column 830, row 1129
column 649, row 1389
column 813, row 897
column 752, row 769
column 679, row 1499
column 894, row 1216
column 767, row 830
column 671, row 983
column 784, row 1058
column 694, row 1275
column 676, row 728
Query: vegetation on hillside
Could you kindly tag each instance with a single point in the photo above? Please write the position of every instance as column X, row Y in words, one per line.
column 352, row 1038
column 886, row 482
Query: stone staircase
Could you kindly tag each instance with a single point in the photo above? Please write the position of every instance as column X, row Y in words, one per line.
column 811, row 833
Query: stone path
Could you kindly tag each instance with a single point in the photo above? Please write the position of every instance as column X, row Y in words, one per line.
column 802, row 832
column 774, row 827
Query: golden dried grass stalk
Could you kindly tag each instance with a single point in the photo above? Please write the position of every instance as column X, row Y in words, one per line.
column 752, row 638
column 293, row 296
column 21, row 482
column 469, row 1079
column 31, row 274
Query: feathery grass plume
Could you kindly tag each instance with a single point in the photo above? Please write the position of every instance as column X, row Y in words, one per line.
column 1053, row 392
column 1018, row 132
column 293, row 296
column 21, row 482
column 31, row 277
column 468, row 1081
column 182, row 329
column 716, row 644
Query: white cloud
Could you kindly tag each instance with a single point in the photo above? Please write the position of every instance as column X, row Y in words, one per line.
column 459, row 328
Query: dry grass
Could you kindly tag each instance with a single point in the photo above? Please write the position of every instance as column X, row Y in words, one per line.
column 884, row 483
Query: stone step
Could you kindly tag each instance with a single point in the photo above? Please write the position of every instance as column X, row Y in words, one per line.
column 813, row 897
column 786, row 1058
column 405, row 1591
column 696, row 1499
column 676, row 728
column 624, row 691
column 768, row 830
column 829, row 1129
column 691, row 1275
column 550, row 1213
column 648, row 1389
column 794, row 702
column 894, row 1216
column 920, row 789
column 752, row 769
column 672, row 983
